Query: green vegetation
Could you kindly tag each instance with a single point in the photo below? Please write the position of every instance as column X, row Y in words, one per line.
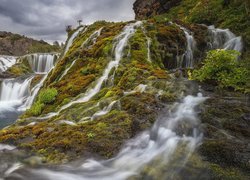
column 36, row 109
column 221, row 67
column 47, row 96
column 22, row 67
column 234, row 16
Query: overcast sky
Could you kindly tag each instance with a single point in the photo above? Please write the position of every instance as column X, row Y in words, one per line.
column 46, row 19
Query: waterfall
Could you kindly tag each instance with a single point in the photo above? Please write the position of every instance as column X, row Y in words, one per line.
column 120, row 44
column 224, row 39
column 13, row 93
column 6, row 62
column 187, row 59
column 92, row 38
column 66, row 71
column 41, row 63
column 104, row 111
column 71, row 39
column 11, row 89
column 160, row 143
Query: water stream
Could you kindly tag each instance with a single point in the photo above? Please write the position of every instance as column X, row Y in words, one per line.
column 6, row 62
column 71, row 39
column 121, row 42
column 159, row 143
column 187, row 59
column 41, row 63
column 13, row 93
column 224, row 39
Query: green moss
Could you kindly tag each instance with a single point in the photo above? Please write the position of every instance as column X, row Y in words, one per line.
column 21, row 68
column 47, row 96
column 36, row 109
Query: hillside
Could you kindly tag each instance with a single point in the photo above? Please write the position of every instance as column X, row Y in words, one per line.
column 17, row 45
column 162, row 98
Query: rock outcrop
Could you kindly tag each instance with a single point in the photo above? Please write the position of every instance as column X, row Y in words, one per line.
column 144, row 9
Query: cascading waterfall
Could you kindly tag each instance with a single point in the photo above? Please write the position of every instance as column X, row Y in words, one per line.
column 119, row 46
column 71, row 39
column 149, row 42
column 104, row 111
column 14, row 90
column 6, row 62
column 160, row 143
column 187, row 59
column 67, row 70
column 41, row 63
column 13, row 94
column 224, row 39
column 92, row 38
column 34, row 92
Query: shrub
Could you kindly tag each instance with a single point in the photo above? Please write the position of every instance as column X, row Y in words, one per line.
column 48, row 95
column 36, row 109
column 222, row 68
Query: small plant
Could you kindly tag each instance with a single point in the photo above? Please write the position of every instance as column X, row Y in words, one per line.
column 221, row 67
column 36, row 109
column 48, row 95
column 90, row 135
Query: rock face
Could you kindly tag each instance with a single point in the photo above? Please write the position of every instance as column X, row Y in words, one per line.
column 17, row 45
column 149, row 8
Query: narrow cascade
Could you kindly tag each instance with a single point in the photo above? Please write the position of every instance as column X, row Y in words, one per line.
column 92, row 38
column 34, row 92
column 90, row 41
column 187, row 59
column 42, row 63
column 224, row 39
column 71, row 39
column 67, row 70
column 159, row 144
column 105, row 110
column 6, row 62
column 120, row 44
column 13, row 94
column 149, row 42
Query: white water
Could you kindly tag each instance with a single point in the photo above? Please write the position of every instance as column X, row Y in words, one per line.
column 67, row 70
column 104, row 111
column 13, row 94
column 33, row 94
column 6, row 62
column 41, row 63
column 224, row 39
column 71, row 39
column 149, row 42
column 13, row 90
column 119, row 46
column 92, row 38
column 161, row 143
column 187, row 59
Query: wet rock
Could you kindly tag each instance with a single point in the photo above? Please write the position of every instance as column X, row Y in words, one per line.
column 226, row 126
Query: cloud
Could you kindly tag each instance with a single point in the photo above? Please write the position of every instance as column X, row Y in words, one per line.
column 46, row 19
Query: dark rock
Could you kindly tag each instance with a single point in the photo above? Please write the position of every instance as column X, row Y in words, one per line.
column 144, row 9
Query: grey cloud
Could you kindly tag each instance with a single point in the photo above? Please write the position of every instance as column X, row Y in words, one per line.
column 46, row 19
